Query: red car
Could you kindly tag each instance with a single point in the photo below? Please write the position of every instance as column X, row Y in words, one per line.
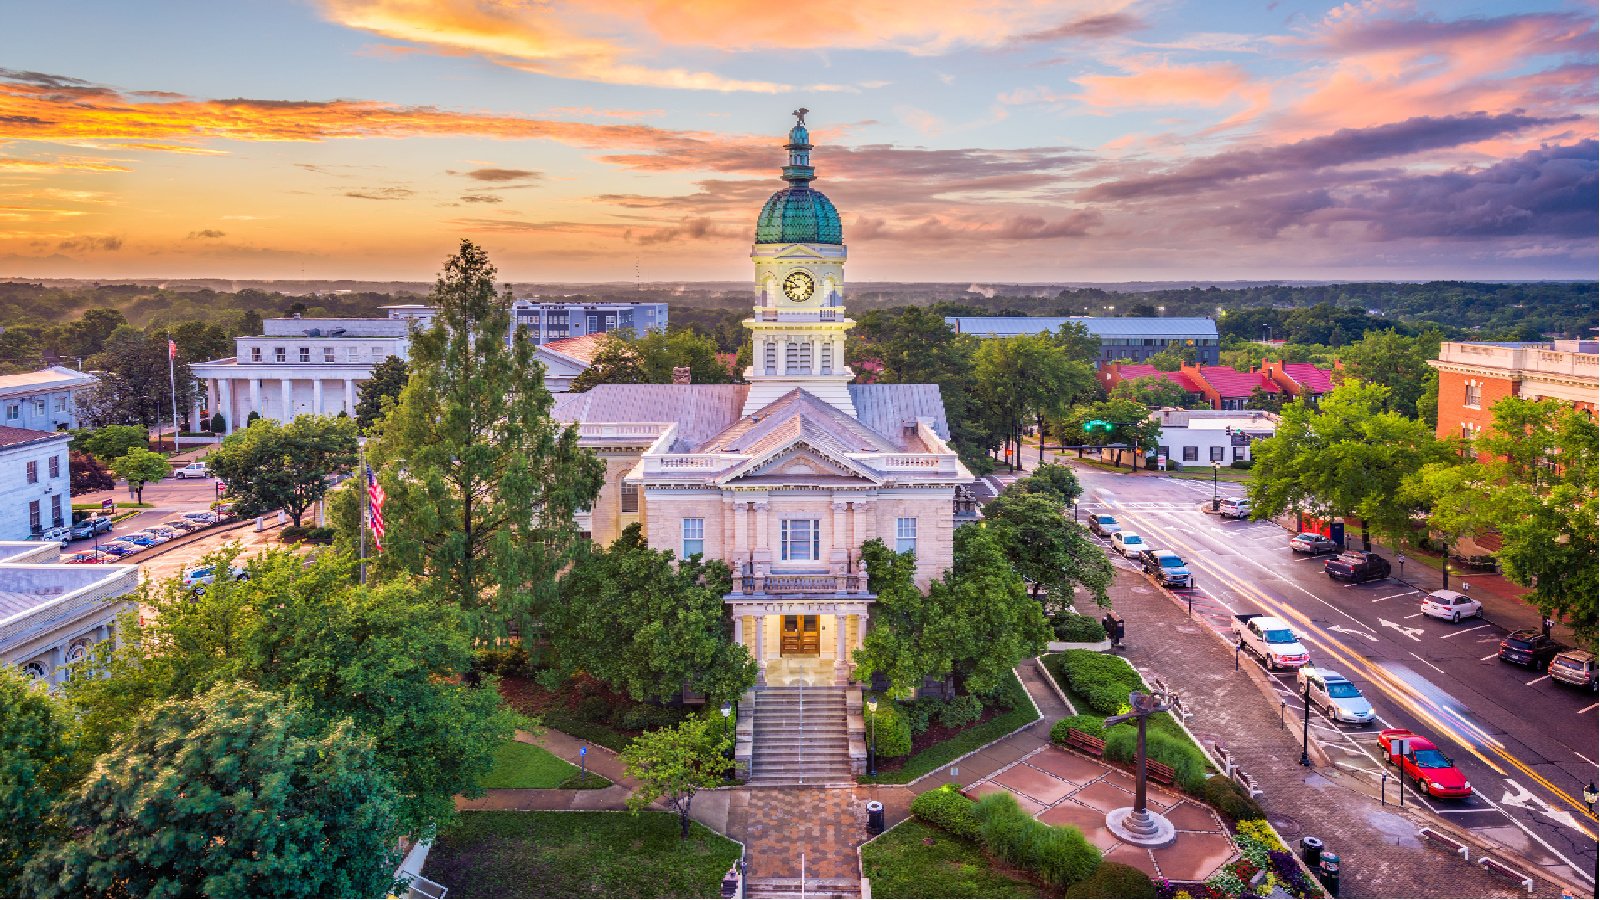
column 1423, row 763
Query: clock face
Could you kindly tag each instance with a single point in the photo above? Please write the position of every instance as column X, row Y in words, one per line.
column 798, row 286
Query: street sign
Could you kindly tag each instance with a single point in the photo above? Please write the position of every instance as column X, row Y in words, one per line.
column 108, row 504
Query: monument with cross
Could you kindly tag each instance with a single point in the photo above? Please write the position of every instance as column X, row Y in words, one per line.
column 1136, row 824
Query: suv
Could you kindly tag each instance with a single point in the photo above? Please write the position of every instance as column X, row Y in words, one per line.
column 1335, row 695
column 59, row 535
column 1271, row 640
column 1309, row 542
column 196, row 469
column 1356, row 566
column 90, row 527
column 1451, row 605
column 1166, row 568
column 1528, row 647
column 1574, row 667
column 1104, row 525
column 1234, row 508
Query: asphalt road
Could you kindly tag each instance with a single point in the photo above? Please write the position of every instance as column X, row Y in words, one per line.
column 1527, row 745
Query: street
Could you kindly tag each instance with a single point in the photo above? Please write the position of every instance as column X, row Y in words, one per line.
column 1527, row 745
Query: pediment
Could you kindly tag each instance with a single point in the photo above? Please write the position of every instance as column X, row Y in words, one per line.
column 798, row 463
column 798, row 251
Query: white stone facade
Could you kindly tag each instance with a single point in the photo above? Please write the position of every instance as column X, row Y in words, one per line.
column 1195, row 438
column 46, row 400
column 52, row 615
column 35, row 482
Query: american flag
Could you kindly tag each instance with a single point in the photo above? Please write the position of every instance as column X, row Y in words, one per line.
column 375, row 509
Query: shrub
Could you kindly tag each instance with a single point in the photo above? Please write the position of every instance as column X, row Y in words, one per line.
column 1241, row 464
column 949, row 809
column 501, row 660
column 1006, row 830
column 919, row 713
column 645, row 717
column 1008, row 694
column 1173, row 465
column 1230, row 799
column 1076, row 628
column 890, row 731
column 963, row 710
column 1061, row 856
column 306, row 534
column 1103, row 681
column 1114, row 880
column 1094, row 725
column 1188, row 766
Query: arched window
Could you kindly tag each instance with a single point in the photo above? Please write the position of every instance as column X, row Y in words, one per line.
column 34, row 670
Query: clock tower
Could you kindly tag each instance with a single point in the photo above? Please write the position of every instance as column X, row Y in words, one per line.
column 798, row 324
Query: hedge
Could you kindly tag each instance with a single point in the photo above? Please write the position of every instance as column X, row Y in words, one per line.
column 1103, row 681
column 1230, row 799
column 1019, row 712
column 891, row 733
column 1188, row 766
column 1114, row 880
column 1094, row 725
column 1076, row 628
column 949, row 809
column 1059, row 855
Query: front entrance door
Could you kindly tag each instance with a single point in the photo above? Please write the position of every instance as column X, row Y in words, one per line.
column 801, row 635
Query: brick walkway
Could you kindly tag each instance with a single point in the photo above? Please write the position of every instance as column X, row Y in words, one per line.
column 1382, row 856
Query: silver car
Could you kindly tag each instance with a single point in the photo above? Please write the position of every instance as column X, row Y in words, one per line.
column 1335, row 695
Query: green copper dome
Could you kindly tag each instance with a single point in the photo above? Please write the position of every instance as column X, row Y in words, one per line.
column 797, row 214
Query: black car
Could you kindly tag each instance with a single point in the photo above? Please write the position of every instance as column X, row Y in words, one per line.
column 1166, row 568
column 1104, row 525
column 1356, row 566
column 1529, row 647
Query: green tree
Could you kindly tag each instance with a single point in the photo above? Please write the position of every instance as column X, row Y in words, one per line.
column 1397, row 361
column 1173, row 357
column 218, row 423
column 663, row 351
column 675, row 763
column 198, row 340
column 111, row 441
column 649, row 625
column 1266, row 402
column 1075, row 339
column 482, row 484
column 284, row 466
column 1046, row 548
column 1054, row 480
column 88, row 335
column 386, row 658
column 234, row 793
column 615, row 362
column 135, row 387
column 1022, row 380
column 1131, row 426
column 140, row 467
column 1450, row 494
column 37, row 765
column 1154, row 392
column 387, row 381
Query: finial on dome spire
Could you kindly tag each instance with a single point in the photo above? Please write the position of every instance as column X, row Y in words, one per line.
column 800, row 114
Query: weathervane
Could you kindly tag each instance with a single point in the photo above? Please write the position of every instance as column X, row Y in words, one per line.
column 800, row 114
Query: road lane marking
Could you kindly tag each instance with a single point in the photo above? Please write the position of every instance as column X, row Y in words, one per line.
column 1413, row 615
column 1537, row 680
column 1408, row 632
column 1465, row 630
column 1392, row 596
column 1428, row 664
column 1343, row 630
column 1585, row 758
column 1489, row 657
column 1588, row 708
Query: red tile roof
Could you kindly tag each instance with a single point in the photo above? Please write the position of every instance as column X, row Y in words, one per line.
column 1313, row 379
column 1131, row 371
column 581, row 348
column 1233, row 383
column 13, row 437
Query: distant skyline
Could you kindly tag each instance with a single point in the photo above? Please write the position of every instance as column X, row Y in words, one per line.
column 987, row 140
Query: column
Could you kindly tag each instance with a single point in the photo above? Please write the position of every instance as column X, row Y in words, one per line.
column 288, row 399
column 838, row 541
column 763, row 533
column 316, row 396
column 255, row 397
column 211, row 394
column 350, row 396
column 225, row 391
column 739, row 547
column 194, row 416
column 861, row 629
column 738, row 627
column 761, row 645
column 840, row 660
column 857, row 526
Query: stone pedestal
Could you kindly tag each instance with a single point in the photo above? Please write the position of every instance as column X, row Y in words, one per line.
column 1141, row 828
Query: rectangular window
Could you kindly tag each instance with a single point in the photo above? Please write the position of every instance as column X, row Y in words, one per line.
column 280, row 354
column 694, row 537
column 802, row 540
column 771, row 358
column 13, row 410
column 35, row 523
column 630, row 497
column 377, row 351
column 55, row 512
column 1216, row 454
column 61, row 404
column 255, row 354
column 55, row 467
column 305, row 354
column 327, row 354
column 827, row 358
column 1239, row 452
column 33, row 472
column 1191, row 454
column 38, row 407
column 1474, row 397
column 905, row 535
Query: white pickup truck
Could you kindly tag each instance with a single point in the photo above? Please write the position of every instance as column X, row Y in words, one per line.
column 1270, row 640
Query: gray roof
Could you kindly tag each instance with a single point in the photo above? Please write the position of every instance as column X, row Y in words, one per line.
column 799, row 414
column 1174, row 328
column 886, row 408
column 702, row 411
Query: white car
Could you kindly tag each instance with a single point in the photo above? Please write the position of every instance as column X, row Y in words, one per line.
column 1451, row 605
column 61, row 535
column 200, row 576
column 1127, row 543
column 195, row 469
column 1335, row 695
column 1234, row 508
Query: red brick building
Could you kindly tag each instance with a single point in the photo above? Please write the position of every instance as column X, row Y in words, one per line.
column 1473, row 377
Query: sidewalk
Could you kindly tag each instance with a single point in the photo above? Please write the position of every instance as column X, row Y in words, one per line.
column 1381, row 854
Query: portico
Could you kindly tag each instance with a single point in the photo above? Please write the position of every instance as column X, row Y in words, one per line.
column 798, row 640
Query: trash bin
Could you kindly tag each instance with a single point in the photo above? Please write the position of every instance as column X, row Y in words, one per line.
column 1311, row 851
column 1115, row 628
column 1328, row 872
column 874, row 817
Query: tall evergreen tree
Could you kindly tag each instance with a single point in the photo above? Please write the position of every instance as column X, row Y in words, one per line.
column 482, row 484
column 387, row 381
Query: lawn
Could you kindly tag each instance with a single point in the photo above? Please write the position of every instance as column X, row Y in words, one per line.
column 519, row 765
column 914, row 859
column 578, row 854
column 963, row 742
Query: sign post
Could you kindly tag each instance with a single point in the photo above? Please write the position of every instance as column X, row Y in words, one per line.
column 583, row 761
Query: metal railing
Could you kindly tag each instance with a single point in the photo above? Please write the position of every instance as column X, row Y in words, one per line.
column 801, row 584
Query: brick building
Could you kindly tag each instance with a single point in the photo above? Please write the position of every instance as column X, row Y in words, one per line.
column 1225, row 388
column 1473, row 377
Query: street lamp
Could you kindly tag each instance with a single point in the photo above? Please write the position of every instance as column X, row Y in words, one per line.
column 727, row 710
column 1215, row 468
column 872, row 736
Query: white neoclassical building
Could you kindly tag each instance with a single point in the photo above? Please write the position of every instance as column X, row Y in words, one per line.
column 51, row 615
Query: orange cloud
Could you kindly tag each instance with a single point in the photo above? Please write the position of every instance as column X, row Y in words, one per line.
column 1168, row 85
column 43, row 166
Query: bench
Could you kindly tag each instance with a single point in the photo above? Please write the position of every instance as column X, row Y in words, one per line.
column 1088, row 743
column 1445, row 841
column 1497, row 867
column 1159, row 772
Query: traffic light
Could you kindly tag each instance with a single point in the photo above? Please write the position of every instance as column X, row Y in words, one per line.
column 1093, row 425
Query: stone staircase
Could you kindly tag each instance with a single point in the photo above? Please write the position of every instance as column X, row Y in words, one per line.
column 784, row 888
column 801, row 736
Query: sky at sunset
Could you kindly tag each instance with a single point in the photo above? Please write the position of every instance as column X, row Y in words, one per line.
column 985, row 140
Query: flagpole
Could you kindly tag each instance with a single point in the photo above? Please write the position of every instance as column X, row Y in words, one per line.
column 172, row 379
column 366, row 507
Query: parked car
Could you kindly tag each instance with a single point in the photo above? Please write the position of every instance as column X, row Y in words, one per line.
column 183, row 525
column 163, row 531
column 91, row 526
column 201, row 517
column 1335, row 695
column 1574, row 667
column 1105, row 526
column 57, row 535
column 196, row 469
column 86, row 557
column 200, row 576
column 1528, row 647
column 120, row 548
column 1422, row 762
column 1356, row 566
column 1271, row 640
column 1127, row 543
column 141, row 539
column 1451, row 605
column 1234, row 508
column 1309, row 542
column 1166, row 568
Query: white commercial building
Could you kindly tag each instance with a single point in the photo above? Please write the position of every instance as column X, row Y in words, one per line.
column 46, row 400
column 551, row 320
column 35, row 484
column 51, row 615
column 1200, row 437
